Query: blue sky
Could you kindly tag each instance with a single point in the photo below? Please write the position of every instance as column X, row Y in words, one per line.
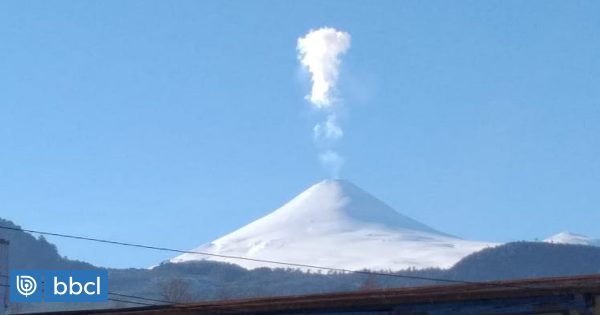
column 172, row 123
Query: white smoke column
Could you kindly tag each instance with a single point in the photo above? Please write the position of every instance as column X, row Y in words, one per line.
column 333, row 161
column 328, row 130
column 319, row 52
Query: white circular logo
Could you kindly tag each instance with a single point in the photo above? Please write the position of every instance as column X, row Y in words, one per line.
column 26, row 285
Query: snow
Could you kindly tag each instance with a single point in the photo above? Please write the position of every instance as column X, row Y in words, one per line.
column 572, row 238
column 336, row 224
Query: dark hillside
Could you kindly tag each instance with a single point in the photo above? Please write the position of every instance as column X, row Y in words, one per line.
column 28, row 252
column 527, row 260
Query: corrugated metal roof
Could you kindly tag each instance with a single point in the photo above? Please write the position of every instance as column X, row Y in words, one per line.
column 526, row 296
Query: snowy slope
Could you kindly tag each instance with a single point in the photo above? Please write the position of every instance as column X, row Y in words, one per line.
column 336, row 224
column 572, row 238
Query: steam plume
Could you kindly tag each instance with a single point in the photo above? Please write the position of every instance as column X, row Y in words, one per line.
column 333, row 161
column 319, row 52
column 328, row 130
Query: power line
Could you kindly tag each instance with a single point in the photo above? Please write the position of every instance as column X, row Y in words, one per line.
column 117, row 294
column 132, row 302
column 118, row 300
column 289, row 264
column 165, row 302
column 142, row 298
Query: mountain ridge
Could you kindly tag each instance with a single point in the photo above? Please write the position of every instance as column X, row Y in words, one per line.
column 572, row 238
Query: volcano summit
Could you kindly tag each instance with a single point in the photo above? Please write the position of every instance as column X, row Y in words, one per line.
column 338, row 225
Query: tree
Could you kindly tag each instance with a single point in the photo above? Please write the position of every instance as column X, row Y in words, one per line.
column 176, row 290
column 370, row 283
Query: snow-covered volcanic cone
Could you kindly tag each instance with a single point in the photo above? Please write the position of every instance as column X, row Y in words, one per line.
column 336, row 224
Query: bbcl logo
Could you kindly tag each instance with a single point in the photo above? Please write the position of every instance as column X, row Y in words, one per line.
column 26, row 285
column 76, row 288
column 59, row 285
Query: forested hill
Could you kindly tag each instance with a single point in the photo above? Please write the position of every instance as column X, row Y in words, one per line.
column 527, row 260
column 28, row 252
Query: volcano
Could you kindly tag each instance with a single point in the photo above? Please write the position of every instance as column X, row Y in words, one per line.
column 336, row 224
column 572, row 238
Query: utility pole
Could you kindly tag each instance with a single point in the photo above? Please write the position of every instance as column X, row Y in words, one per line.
column 4, row 281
